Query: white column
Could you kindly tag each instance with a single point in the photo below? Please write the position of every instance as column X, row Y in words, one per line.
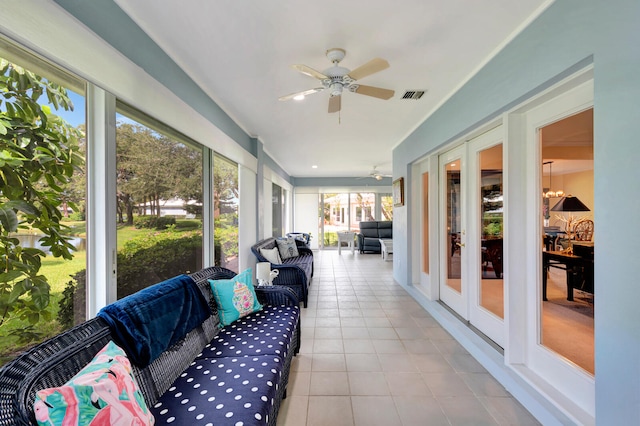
column 101, row 199
column 247, row 210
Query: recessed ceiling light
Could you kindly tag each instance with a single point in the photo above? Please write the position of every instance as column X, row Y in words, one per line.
column 314, row 167
column 298, row 98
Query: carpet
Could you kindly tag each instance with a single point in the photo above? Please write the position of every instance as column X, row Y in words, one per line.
column 582, row 304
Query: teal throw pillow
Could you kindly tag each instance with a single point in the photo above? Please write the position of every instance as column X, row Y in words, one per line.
column 235, row 297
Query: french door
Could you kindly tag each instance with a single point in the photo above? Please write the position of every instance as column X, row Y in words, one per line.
column 471, row 229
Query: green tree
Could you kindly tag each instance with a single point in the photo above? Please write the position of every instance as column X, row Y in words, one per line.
column 387, row 207
column 225, row 204
column 38, row 158
column 152, row 167
column 225, row 186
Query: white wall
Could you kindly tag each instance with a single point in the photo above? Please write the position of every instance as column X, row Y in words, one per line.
column 305, row 212
column 267, row 209
column 246, row 213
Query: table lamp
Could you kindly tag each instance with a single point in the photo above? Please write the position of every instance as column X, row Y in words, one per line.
column 569, row 203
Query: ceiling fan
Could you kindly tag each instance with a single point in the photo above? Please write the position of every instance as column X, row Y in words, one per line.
column 375, row 174
column 335, row 79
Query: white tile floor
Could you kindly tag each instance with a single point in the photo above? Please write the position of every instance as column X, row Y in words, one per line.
column 371, row 355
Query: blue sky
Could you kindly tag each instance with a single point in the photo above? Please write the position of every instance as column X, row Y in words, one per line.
column 77, row 116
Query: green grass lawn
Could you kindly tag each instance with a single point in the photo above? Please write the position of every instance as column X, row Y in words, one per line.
column 126, row 233
column 57, row 271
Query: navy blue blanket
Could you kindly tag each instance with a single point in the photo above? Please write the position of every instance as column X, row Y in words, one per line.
column 152, row 320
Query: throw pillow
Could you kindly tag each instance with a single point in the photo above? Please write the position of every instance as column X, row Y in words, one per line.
column 287, row 248
column 103, row 392
column 272, row 255
column 236, row 297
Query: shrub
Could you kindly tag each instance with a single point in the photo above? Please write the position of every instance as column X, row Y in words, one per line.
column 146, row 261
column 154, row 222
column 186, row 224
column 77, row 216
column 66, row 312
column 141, row 263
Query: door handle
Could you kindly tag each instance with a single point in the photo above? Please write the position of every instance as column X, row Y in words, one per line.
column 460, row 244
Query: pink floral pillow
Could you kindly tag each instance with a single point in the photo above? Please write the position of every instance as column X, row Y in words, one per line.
column 102, row 393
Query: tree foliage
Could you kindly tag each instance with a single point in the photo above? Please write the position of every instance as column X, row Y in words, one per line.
column 225, row 205
column 225, row 186
column 38, row 158
column 152, row 167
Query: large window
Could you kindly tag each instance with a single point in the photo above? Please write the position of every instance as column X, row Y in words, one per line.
column 42, row 201
column 159, row 197
column 159, row 203
column 278, row 210
column 344, row 212
column 225, row 211
column 567, row 307
column 386, row 206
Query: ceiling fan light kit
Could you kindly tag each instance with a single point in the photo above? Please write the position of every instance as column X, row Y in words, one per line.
column 375, row 174
column 336, row 79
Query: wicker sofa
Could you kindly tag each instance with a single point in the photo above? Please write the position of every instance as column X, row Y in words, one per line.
column 294, row 272
column 53, row 362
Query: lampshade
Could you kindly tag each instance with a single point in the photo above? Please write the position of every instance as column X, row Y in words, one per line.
column 570, row 203
column 263, row 269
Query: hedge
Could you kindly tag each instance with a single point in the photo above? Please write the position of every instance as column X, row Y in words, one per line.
column 141, row 263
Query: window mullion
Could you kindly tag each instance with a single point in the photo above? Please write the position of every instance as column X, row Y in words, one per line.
column 101, row 196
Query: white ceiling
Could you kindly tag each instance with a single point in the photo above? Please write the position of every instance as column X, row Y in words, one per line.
column 240, row 53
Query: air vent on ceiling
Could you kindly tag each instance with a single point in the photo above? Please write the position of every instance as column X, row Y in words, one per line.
column 413, row 94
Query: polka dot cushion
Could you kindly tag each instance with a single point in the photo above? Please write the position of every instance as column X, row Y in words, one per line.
column 267, row 332
column 222, row 391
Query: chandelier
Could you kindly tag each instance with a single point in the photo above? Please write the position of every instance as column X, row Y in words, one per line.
column 551, row 193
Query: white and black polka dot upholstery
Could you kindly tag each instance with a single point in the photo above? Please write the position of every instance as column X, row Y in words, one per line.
column 266, row 332
column 235, row 391
column 236, row 377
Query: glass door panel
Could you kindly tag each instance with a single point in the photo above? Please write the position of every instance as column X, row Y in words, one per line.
column 485, row 235
column 567, row 300
column 490, row 238
column 454, row 226
column 452, row 231
column 425, row 222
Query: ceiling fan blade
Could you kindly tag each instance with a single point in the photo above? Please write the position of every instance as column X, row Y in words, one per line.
column 335, row 103
column 371, row 67
column 309, row 71
column 303, row 93
column 376, row 92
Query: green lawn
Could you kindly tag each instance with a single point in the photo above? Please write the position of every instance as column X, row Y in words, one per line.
column 126, row 233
